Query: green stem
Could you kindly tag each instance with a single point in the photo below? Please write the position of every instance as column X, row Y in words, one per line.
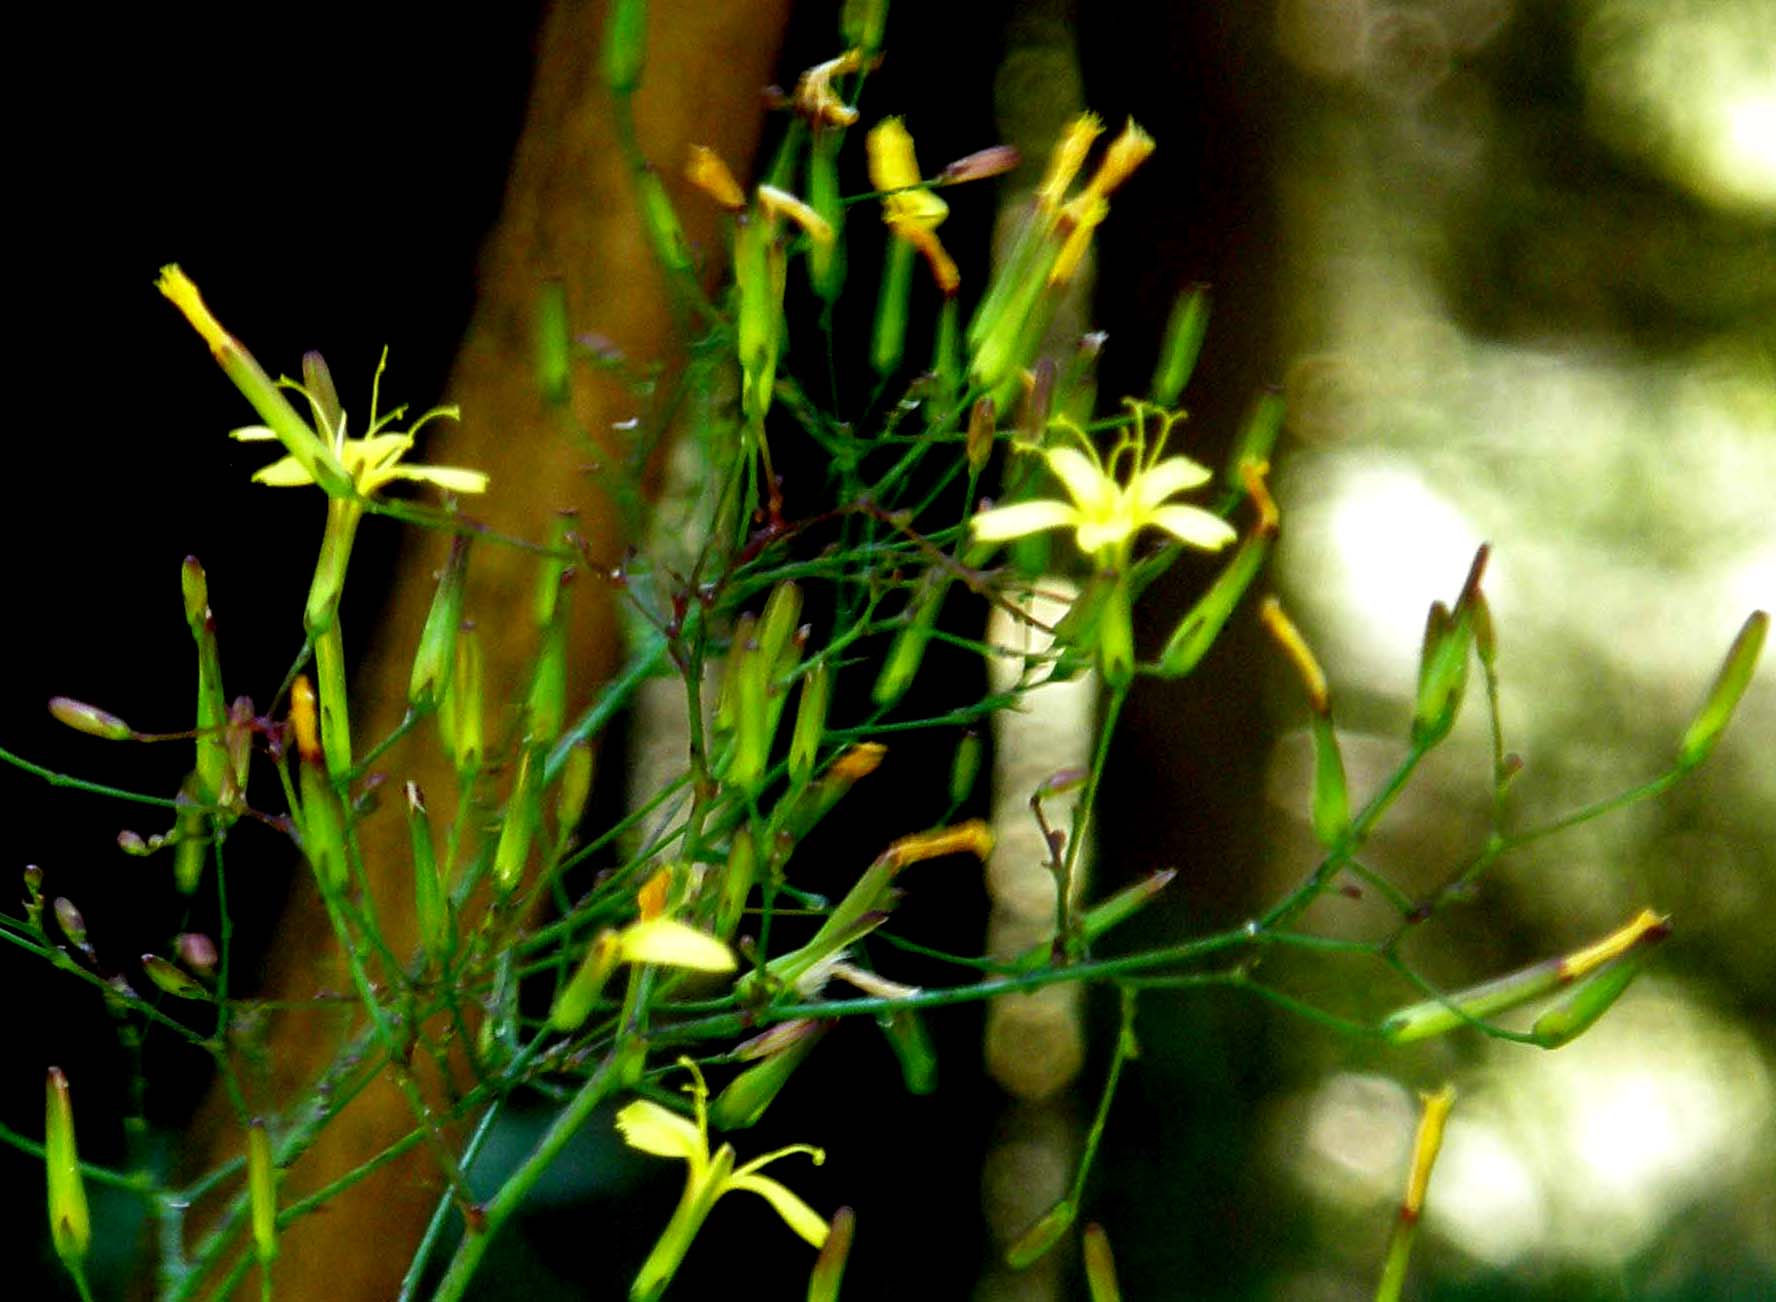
column 478, row 1237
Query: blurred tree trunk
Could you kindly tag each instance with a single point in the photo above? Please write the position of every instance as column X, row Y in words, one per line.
column 568, row 215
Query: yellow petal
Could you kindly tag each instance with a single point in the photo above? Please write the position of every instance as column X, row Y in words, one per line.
column 453, row 478
column 1088, row 485
column 1173, row 475
column 1005, row 522
column 286, row 472
column 668, row 941
column 253, row 434
column 1189, row 524
column 800, row 1217
column 653, row 1129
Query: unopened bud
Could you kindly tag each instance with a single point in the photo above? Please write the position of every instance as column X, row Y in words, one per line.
column 1183, row 342
column 70, row 1225
column 829, row 1268
column 262, row 1193
column 435, row 660
column 1100, row 1265
column 995, row 160
column 1723, row 697
column 197, row 952
column 624, row 53
column 982, row 429
column 170, row 979
column 89, row 719
column 573, row 1005
column 72, row 924
column 913, row 1049
column 744, row 1099
column 1035, row 1242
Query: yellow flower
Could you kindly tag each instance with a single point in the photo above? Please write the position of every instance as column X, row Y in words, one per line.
column 372, row 461
column 664, row 1133
column 910, row 210
column 1066, row 160
column 1106, row 514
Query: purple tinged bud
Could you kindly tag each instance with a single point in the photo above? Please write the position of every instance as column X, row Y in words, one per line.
column 169, row 978
column 133, row 843
column 89, row 719
column 197, row 952
column 995, row 160
column 829, row 1269
column 72, row 924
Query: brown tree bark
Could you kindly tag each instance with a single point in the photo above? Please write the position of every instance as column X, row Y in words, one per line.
column 568, row 215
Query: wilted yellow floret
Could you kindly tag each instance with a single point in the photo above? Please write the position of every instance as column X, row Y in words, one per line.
column 706, row 170
column 781, row 203
column 1066, row 160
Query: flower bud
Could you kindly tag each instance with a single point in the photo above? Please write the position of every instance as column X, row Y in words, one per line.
column 907, row 651
column 574, row 1002
column 913, row 1049
column 1723, row 697
column 435, row 659
column 546, row 705
column 518, row 826
column 1182, row 345
column 1100, row 1265
column 431, row 904
column 744, row 1099
column 70, row 1225
column 995, row 160
column 89, row 719
column 861, row 23
column 1258, row 434
column 1436, row 1016
column 624, row 53
column 262, row 1194
column 170, row 979
column 461, row 710
column 197, row 952
column 965, row 766
column 738, row 876
column 829, row 1268
column 705, row 169
column 1034, row 1243
column 1199, row 628
column 575, row 790
column 826, row 258
column 1575, row 1013
column 810, row 721
column 72, row 924
column 554, row 344
column 1443, row 666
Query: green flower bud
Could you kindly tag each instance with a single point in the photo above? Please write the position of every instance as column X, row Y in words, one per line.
column 574, row 1002
column 262, row 1194
column 330, row 685
column 810, row 722
column 169, row 978
column 1183, row 341
column 965, row 766
column 554, row 344
column 461, row 710
column 738, row 875
column 829, row 1268
column 317, row 382
column 1575, row 1013
column 624, row 53
column 913, row 1049
column 518, row 827
column 1257, row 436
column 743, row 1101
column 431, row 903
column 1100, row 1265
column 826, row 258
column 70, row 1224
column 1723, row 697
column 1034, row 1243
column 435, row 659
column 72, row 924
